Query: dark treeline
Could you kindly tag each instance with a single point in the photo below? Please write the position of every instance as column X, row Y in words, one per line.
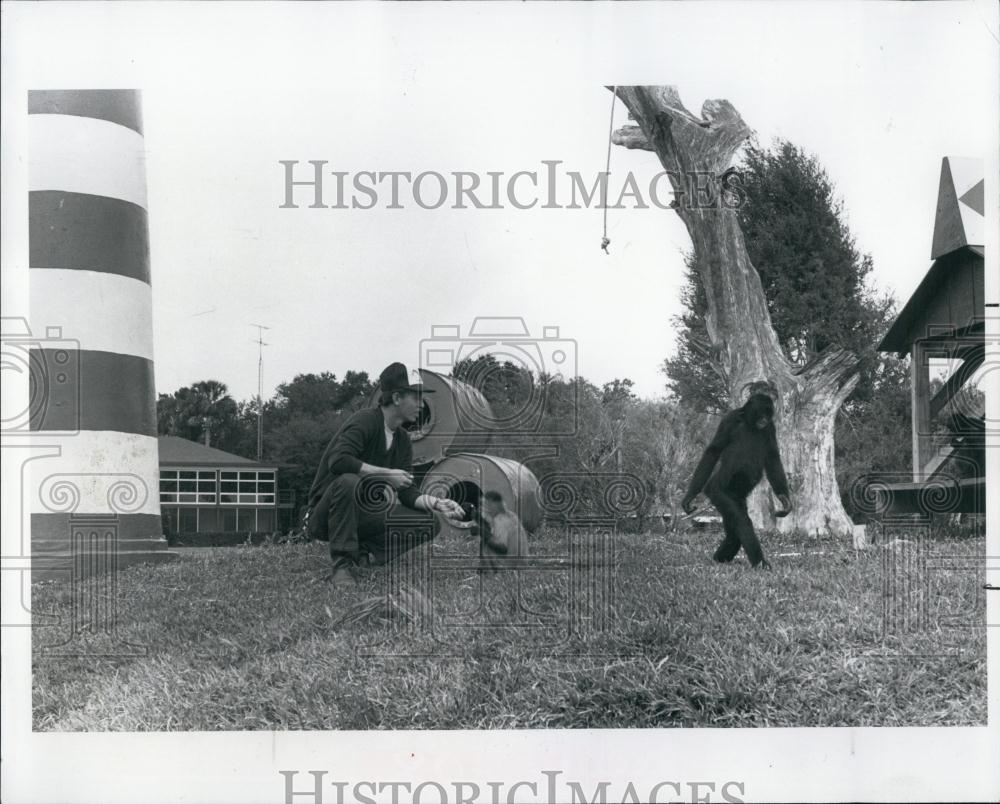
column 596, row 431
column 298, row 420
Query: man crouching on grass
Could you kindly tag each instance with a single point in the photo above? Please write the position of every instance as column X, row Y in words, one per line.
column 364, row 484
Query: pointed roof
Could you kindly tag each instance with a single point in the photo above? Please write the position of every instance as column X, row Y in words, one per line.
column 176, row 451
column 959, row 229
column 959, row 221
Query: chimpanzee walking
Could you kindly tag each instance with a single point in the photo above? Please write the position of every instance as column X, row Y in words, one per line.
column 745, row 447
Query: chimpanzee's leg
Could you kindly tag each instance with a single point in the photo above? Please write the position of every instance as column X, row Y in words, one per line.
column 747, row 536
column 729, row 510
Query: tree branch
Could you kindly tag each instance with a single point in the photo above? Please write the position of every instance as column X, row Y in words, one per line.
column 709, row 354
column 683, row 141
column 834, row 365
column 631, row 137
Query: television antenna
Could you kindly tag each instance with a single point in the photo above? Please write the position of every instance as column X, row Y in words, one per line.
column 260, row 387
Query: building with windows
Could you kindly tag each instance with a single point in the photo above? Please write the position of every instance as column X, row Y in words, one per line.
column 206, row 490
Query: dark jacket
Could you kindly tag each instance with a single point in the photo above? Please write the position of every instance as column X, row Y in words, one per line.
column 362, row 440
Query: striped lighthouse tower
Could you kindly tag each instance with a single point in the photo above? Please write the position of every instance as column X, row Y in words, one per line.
column 95, row 503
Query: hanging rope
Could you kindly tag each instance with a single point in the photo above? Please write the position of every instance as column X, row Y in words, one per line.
column 605, row 242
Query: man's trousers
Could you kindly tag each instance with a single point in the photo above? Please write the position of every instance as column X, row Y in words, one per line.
column 360, row 522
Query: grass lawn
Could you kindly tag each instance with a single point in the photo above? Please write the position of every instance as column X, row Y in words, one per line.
column 256, row 638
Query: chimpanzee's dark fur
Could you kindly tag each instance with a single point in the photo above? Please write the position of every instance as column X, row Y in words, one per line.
column 743, row 454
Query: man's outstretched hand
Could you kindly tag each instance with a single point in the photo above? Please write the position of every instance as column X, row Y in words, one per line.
column 786, row 506
column 449, row 508
column 687, row 504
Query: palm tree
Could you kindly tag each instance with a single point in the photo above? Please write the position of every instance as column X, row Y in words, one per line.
column 198, row 411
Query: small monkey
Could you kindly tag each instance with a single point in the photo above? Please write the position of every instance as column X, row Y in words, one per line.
column 502, row 534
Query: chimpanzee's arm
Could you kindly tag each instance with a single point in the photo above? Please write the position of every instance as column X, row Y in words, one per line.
column 772, row 465
column 723, row 435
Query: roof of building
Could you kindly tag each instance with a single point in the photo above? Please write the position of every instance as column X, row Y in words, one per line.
column 181, row 452
column 959, row 229
column 959, row 221
column 898, row 338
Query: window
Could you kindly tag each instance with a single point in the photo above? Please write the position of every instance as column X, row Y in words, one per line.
column 188, row 486
column 265, row 519
column 168, row 486
column 247, row 488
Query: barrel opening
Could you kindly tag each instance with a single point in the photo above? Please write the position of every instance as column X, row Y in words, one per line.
column 465, row 492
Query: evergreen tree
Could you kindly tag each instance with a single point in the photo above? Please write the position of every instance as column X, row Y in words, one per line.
column 818, row 291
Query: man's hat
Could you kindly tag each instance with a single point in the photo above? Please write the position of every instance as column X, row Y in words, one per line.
column 395, row 377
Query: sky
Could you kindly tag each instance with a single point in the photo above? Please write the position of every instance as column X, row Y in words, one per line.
column 878, row 92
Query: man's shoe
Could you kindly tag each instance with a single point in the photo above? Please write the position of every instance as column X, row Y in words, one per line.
column 343, row 571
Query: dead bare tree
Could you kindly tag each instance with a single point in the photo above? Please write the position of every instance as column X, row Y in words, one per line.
column 696, row 153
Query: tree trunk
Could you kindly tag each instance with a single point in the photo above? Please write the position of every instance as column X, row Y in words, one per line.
column 696, row 153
